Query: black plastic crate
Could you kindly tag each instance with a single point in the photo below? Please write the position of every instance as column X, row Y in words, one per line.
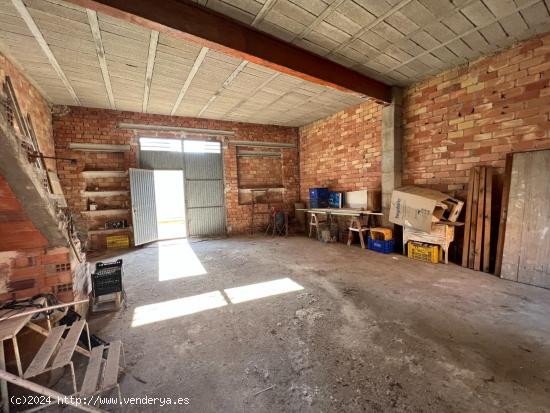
column 107, row 278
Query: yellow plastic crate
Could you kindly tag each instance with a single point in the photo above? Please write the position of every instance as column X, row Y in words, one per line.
column 424, row 252
column 118, row 241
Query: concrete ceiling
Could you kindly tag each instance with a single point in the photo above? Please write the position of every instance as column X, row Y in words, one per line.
column 144, row 71
column 78, row 57
column 395, row 41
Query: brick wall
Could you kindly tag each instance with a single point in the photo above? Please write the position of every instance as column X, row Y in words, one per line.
column 343, row 151
column 260, row 172
column 86, row 125
column 31, row 102
column 28, row 265
column 476, row 114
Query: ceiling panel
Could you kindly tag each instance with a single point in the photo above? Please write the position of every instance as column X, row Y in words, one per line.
column 395, row 41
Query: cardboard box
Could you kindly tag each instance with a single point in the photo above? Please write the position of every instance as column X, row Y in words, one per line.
column 417, row 207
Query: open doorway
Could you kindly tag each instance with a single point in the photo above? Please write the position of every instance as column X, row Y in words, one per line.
column 170, row 204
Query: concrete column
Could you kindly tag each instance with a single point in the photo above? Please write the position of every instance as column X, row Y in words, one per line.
column 391, row 150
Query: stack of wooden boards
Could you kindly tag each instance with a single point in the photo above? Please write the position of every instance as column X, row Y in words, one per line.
column 477, row 229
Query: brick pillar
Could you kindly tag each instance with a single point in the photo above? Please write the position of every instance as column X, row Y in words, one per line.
column 391, row 150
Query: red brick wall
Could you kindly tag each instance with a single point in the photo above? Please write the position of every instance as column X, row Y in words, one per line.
column 29, row 266
column 343, row 151
column 260, row 172
column 33, row 103
column 16, row 229
column 475, row 114
column 86, row 125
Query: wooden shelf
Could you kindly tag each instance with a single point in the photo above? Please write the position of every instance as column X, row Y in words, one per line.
column 91, row 194
column 109, row 231
column 104, row 174
column 106, row 212
column 94, row 147
column 277, row 188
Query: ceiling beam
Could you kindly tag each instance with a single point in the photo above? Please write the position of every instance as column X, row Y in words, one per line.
column 226, row 83
column 96, row 33
column 29, row 21
column 266, row 8
column 190, row 76
column 252, row 93
column 153, row 42
column 191, row 22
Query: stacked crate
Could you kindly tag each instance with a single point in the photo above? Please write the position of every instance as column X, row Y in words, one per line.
column 318, row 197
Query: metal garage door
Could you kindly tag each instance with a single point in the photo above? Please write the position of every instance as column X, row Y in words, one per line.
column 202, row 163
column 204, row 190
column 144, row 210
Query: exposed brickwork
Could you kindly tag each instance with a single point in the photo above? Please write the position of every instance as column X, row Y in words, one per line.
column 476, row 114
column 28, row 265
column 260, row 172
column 33, row 103
column 343, row 151
column 99, row 126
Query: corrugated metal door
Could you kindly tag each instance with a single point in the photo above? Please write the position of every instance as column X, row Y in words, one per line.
column 204, row 193
column 144, row 210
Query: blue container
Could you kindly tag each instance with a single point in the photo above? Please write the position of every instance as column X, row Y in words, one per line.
column 383, row 246
column 318, row 193
column 318, row 203
column 335, row 199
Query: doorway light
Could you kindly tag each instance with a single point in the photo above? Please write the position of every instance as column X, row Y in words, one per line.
column 191, row 146
column 261, row 290
column 178, row 260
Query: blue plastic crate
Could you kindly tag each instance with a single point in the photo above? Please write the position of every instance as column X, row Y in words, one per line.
column 318, row 203
column 318, row 193
column 383, row 246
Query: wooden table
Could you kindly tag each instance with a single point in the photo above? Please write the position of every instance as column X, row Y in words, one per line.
column 357, row 216
column 442, row 234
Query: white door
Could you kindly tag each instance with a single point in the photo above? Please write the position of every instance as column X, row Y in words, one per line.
column 144, row 211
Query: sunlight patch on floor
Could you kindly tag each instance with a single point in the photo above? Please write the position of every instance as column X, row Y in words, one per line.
column 167, row 310
column 262, row 290
column 178, row 260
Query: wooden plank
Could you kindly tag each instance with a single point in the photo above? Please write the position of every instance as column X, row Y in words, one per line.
column 487, row 219
column 466, row 241
column 473, row 221
column 65, row 353
column 503, row 213
column 517, row 204
column 479, row 223
column 100, row 50
column 91, row 377
column 534, row 257
column 110, row 377
column 40, row 361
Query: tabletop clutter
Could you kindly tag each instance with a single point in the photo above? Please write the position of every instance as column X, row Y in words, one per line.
column 428, row 219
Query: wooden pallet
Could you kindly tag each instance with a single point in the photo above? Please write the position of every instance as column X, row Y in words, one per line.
column 476, row 250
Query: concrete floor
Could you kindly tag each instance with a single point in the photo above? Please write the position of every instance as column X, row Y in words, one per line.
column 359, row 331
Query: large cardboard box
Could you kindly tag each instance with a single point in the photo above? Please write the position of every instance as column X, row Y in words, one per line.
column 416, row 207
